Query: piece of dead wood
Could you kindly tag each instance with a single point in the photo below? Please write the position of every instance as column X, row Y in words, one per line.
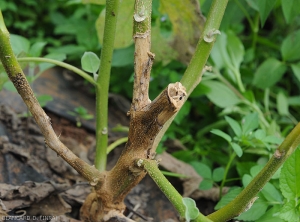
column 28, row 194
column 193, row 179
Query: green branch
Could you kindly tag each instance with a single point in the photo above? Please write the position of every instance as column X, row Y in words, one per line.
column 83, row 74
column 171, row 193
column 246, row 198
column 102, row 88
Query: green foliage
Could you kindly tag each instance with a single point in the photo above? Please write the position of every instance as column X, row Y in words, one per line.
column 191, row 211
column 80, row 113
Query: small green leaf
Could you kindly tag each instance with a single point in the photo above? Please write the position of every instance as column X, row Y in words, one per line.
column 268, row 73
column 235, row 126
column 221, row 134
column 296, row 70
column 237, row 149
column 289, row 9
column 282, row 104
column 123, row 57
column 206, row 184
column 90, row 62
column 291, row 46
column 264, row 7
column 220, row 94
column 202, row 169
column 44, row 99
column 218, row 174
column 191, row 211
column 183, row 112
column 249, row 123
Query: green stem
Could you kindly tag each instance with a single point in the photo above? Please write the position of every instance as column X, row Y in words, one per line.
column 193, row 73
column 102, row 88
column 171, row 193
column 83, row 74
column 244, row 199
column 116, row 143
column 232, row 156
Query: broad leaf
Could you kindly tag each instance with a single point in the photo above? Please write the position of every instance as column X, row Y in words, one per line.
column 220, row 94
column 233, row 192
column 19, row 44
column 235, row 49
column 269, row 73
column 218, row 174
column 290, row 177
column 57, row 56
column 264, row 8
column 290, row 9
column 124, row 27
column 202, row 169
column 98, row 2
column 290, row 211
column 36, row 49
column 257, row 210
column 291, row 46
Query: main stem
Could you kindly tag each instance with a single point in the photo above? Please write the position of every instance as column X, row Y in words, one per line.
column 102, row 88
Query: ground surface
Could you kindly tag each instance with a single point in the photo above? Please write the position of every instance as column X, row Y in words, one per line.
column 35, row 182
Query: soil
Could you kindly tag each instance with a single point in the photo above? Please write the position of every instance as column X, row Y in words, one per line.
column 36, row 185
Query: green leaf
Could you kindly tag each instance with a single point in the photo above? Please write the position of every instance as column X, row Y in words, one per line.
column 291, row 46
column 235, row 49
column 271, row 193
column 232, row 193
column 249, row 123
column 220, row 94
column 264, row 7
column 257, row 210
column 289, row 181
column 183, row 112
column 202, row 169
column 206, row 184
column 296, row 70
column 191, row 211
column 218, row 174
column 237, row 149
column 260, row 134
column 294, row 100
column 36, row 49
column 282, row 104
column 221, row 134
column 98, row 2
column 123, row 57
column 268, row 73
column 290, row 211
column 271, row 215
column 235, row 126
column 289, row 9
column 19, row 44
column 44, row 99
column 90, row 62
column 124, row 27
